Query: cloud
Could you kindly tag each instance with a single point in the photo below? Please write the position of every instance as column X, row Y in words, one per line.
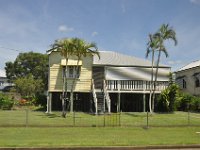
column 195, row 1
column 2, row 73
column 64, row 28
column 94, row 33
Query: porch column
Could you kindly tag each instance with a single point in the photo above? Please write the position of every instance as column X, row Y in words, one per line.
column 144, row 95
column 118, row 102
column 144, row 102
column 49, row 101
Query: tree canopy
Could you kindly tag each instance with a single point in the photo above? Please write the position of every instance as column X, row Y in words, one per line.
column 26, row 64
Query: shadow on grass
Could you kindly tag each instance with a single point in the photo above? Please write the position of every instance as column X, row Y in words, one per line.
column 49, row 115
column 52, row 115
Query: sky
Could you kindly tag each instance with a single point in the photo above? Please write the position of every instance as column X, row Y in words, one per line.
column 114, row 25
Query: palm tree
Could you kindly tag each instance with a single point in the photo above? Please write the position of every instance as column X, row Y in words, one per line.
column 81, row 49
column 163, row 34
column 65, row 47
column 152, row 46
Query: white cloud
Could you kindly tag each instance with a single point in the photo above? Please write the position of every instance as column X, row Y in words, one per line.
column 64, row 28
column 195, row 1
column 94, row 33
column 2, row 73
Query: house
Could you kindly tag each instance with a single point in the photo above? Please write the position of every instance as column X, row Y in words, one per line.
column 113, row 83
column 4, row 84
column 3, row 81
column 188, row 78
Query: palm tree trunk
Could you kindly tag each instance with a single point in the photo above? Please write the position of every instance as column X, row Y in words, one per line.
column 155, row 81
column 151, row 83
column 64, row 94
column 73, row 85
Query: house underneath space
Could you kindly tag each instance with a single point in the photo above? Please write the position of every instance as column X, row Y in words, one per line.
column 112, row 83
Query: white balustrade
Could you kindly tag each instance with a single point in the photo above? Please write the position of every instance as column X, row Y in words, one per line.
column 134, row 85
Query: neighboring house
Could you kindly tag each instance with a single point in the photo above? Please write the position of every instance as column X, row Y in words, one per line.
column 3, row 81
column 5, row 86
column 188, row 78
column 113, row 83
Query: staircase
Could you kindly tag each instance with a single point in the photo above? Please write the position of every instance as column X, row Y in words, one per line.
column 99, row 91
column 100, row 102
column 101, row 99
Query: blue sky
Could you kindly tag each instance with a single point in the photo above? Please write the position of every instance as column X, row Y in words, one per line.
column 115, row 25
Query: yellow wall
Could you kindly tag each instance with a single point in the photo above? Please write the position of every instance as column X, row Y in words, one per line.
column 83, row 84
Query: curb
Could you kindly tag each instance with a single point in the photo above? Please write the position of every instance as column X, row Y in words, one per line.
column 106, row 148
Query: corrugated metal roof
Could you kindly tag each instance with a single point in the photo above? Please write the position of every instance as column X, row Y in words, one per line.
column 190, row 65
column 116, row 59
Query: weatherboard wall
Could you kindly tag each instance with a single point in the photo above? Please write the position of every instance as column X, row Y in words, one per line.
column 189, row 76
column 82, row 84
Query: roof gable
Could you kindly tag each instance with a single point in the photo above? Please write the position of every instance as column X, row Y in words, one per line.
column 190, row 65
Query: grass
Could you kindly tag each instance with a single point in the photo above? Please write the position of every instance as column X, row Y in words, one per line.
column 51, row 130
column 30, row 118
column 108, row 136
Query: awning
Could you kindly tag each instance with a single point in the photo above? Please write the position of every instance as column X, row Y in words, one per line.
column 71, row 62
column 196, row 74
column 180, row 77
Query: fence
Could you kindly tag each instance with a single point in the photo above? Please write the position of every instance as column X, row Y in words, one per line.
column 28, row 118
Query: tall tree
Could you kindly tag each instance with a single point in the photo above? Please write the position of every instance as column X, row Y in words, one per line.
column 30, row 63
column 164, row 33
column 28, row 86
column 65, row 47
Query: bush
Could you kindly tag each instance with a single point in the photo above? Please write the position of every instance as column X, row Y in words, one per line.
column 6, row 103
column 195, row 104
column 166, row 100
column 187, row 102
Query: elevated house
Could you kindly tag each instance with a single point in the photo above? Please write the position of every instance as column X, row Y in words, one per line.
column 188, row 78
column 113, row 83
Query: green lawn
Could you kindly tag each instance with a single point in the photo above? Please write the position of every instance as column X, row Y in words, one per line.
column 20, row 128
column 30, row 118
column 97, row 136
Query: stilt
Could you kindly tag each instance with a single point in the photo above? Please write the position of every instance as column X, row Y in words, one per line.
column 118, row 102
column 144, row 102
column 71, row 101
column 49, row 101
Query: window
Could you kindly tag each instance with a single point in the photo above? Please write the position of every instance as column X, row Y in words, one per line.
column 184, row 84
column 197, row 84
column 72, row 71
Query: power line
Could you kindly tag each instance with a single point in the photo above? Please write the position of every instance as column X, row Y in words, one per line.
column 12, row 49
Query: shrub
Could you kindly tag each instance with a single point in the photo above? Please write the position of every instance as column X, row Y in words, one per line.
column 183, row 102
column 187, row 102
column 195, row 104
column 6, row 103
column 166, row 100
